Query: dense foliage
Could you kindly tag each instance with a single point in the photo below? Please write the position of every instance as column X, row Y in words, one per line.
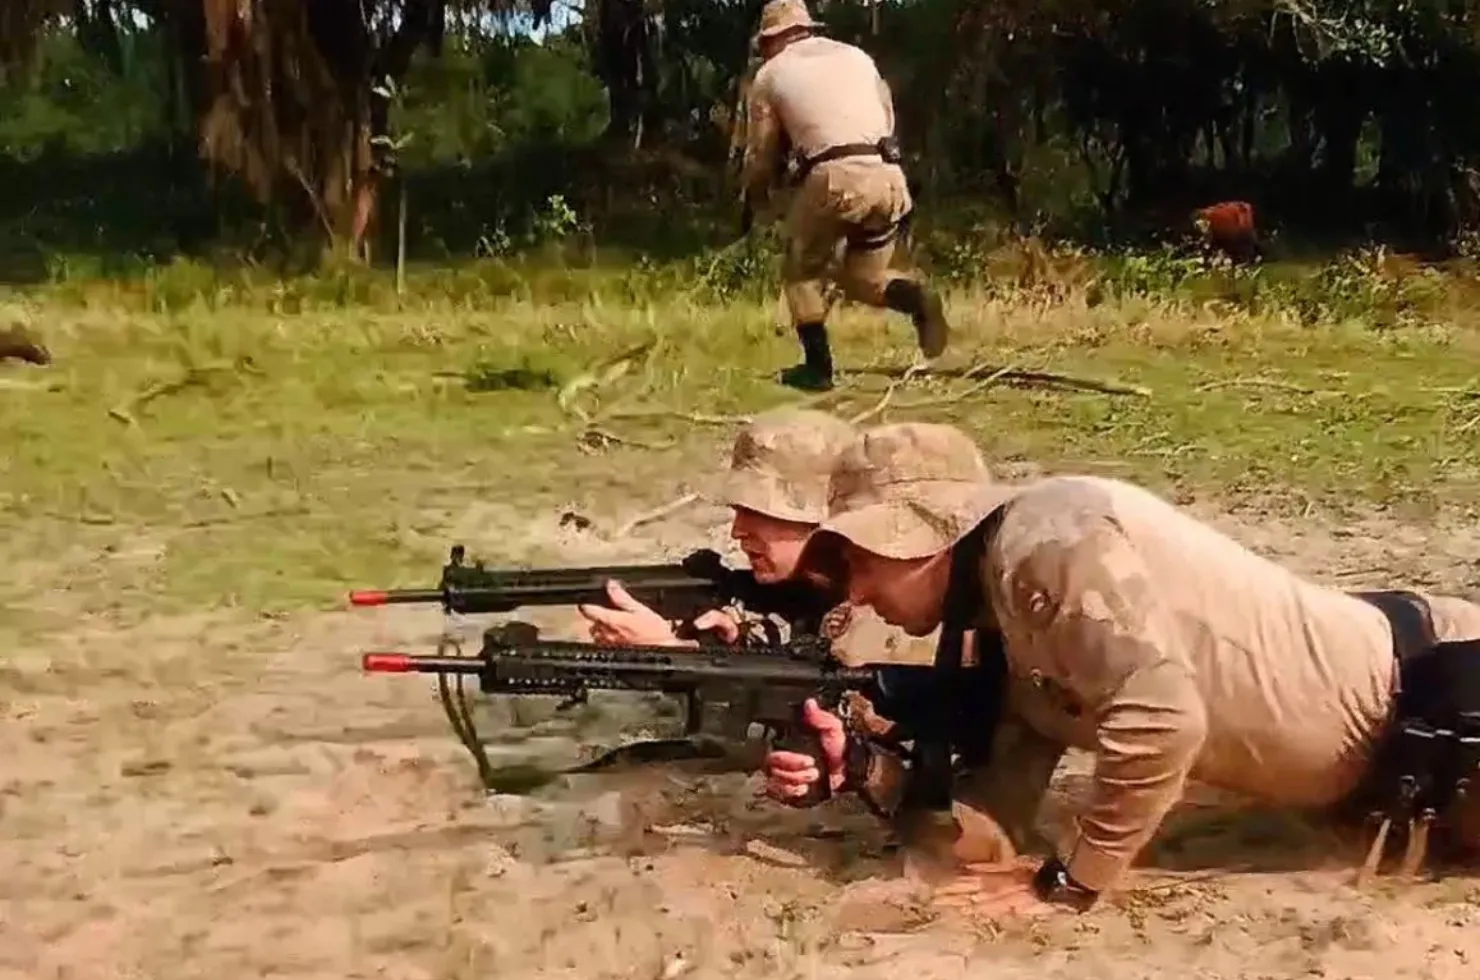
column 192, row 123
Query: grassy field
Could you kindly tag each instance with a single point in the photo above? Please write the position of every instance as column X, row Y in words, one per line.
column 229, row 452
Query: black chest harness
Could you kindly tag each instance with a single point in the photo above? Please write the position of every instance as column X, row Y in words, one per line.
column 1427, row 760
column 950, row 711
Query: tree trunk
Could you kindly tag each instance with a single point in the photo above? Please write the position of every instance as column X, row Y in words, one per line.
column 282, row 92
column 621, row 45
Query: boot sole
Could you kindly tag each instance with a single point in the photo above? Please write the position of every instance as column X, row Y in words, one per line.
column 803, row 382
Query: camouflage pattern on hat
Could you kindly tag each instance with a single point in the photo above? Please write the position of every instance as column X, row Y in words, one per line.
column 911, row 490
column 783, row 15
column 781, row 462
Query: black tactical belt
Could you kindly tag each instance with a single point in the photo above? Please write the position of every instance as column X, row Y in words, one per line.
column 1427, row 759
column 886, row 149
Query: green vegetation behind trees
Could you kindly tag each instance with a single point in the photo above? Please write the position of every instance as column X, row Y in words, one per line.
column 132, row 131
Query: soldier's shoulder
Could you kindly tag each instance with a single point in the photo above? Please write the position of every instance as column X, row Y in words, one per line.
column 1060, row 504
column 832, row 44
column 1054, row 516
column 1070, row 548
column 762, row 79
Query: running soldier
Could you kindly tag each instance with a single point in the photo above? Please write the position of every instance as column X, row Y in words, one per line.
column 824, row 103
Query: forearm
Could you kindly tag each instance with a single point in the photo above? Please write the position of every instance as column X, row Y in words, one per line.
column 1148, row 738
column 756, row 181
column 763, row 148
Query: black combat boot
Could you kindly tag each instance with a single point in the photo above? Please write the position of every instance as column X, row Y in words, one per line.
column 925, row 309
column 815, row 373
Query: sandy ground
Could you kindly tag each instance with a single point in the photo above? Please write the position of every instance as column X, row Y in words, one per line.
column 217, row 798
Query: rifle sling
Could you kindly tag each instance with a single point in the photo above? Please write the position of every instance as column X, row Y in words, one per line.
column 967, row 703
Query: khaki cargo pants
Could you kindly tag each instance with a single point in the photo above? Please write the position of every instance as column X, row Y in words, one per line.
column 843, row 206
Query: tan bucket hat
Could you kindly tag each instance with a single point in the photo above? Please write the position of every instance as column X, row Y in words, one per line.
column 909, row 490
column 783, row 15
column 781, row 463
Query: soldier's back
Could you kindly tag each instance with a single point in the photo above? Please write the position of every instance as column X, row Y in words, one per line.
column 1296, row 677
column 826, row 93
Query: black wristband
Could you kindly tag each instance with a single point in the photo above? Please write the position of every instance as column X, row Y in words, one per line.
column 1052, row 884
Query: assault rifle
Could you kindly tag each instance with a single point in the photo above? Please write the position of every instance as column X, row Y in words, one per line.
column 683, row 590
column 761, row 685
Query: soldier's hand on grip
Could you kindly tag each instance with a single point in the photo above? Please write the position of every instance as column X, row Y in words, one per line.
column 791, row 775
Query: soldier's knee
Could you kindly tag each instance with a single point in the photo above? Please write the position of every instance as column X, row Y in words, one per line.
column 866, row 284
column 869, row 291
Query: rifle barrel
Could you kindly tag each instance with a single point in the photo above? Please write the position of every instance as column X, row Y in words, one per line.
column 406, row 663
column 504, row 592
column 384, row 597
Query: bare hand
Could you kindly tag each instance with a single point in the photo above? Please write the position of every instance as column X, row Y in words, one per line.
column 994, row 891
column 968, row 863
column 790, row 775
column 628, row 622
column 721, row 622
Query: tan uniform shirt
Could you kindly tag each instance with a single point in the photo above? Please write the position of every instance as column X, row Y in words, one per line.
column 1171, row 651
column 818, row 93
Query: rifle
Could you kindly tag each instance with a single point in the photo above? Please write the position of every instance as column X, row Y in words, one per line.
column 765, row 685
column 699, row 582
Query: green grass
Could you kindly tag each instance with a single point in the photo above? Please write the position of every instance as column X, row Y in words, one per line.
column 283, row 458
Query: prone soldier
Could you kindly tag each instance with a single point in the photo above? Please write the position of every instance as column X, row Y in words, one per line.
column 777, row 489
column 825, row 102
column 1132, row 630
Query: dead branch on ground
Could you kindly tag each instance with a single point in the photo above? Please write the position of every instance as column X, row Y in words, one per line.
column 1045, row 379
column 593, row 439
column 1255, row 383
column 194, row 376
column 656, row 514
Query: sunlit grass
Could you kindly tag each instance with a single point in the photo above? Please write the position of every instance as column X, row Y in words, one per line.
column 227, row 454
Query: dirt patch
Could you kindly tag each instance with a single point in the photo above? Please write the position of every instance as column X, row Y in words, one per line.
column 212, row 797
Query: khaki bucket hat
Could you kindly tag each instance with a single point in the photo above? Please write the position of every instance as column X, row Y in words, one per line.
column 909, row 490
column 783, row 15
column 781, row 463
